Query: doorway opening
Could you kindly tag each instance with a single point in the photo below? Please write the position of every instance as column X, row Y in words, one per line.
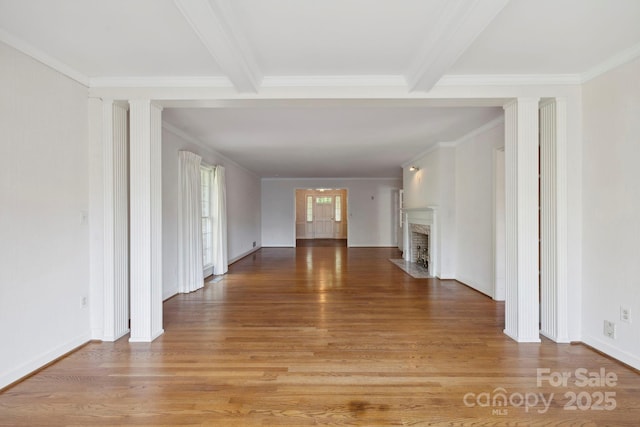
column 321, row 216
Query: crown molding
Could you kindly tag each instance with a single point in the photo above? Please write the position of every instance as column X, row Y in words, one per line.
column 433, row 147
column 40, row 56
column 159, row 81
column 509, row 80
column 182, row 134
column 334, row 81
column 215, row 24
column 478, row 131
column 615, row 61
column 459, row 24
column 452, row 144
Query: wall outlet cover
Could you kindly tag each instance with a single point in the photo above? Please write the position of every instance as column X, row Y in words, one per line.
column 625, row 314
column 609, row 329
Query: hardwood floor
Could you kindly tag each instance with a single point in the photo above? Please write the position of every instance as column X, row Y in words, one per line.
column 329, row 336
column 321, row 242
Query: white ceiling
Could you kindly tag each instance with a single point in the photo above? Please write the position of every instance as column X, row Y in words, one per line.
column 327, row 141
column 252, row 45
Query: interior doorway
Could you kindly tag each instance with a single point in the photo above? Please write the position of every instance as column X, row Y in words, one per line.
column 321, row 213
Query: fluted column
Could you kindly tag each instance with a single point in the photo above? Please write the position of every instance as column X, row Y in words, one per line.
column 116, row 220
column 521, row 169
column 553, row 158
column 145, row 220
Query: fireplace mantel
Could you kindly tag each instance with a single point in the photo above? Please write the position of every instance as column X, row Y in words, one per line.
column 425, row 215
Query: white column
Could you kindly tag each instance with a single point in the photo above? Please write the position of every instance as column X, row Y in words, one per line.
column 146, row 220
column 553, row 158
column 521, row 168
column 96, row 218
column 116, row 220
column 109, row 262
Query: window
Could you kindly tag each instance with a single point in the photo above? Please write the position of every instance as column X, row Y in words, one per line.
column 309, row 208
column 206, row 179
column 324, row 200
column 338, row 207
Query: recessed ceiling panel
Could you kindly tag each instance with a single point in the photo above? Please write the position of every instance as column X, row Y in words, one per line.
column 110, row 37
column 552, row 36
column 336, row 37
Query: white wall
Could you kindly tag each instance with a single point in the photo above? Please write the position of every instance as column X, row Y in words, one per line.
column 243, row 204
column 44, row 244
column 370, row 205
column 447, row 212
column 611, row 211
column 474, row 207
column 434, row 185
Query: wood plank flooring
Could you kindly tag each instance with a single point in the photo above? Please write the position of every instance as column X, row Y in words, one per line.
column 324, row 336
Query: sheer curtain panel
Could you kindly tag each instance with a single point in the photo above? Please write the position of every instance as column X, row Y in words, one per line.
column 219, row 206
column 190, row 277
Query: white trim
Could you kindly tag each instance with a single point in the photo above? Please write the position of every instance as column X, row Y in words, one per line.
column 335, row 81
column 150, row 339
column 613, row 351
column 182, row 134
column 166, row 295
column 145, row 226
column 471, row 283
column 553, row 200
column 369, row 246
column 38, row 55
column 615, row 61
column 521, row 198
column 429, row 150
column 458, row 25
column 482, row 129
column 215, row 25
column 244, row 254
column 509, row 80
column 160, row 81
column 38, row 362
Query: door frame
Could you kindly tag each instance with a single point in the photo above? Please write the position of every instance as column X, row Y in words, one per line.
column 346, row 203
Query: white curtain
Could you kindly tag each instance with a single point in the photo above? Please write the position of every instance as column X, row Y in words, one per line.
column 219, row 209
column 190, row 276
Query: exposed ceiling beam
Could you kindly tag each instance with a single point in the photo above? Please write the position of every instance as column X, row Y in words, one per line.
column 214, row 23
column 460, row 23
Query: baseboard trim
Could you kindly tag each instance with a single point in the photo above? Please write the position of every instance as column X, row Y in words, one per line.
column 43, row 361
column 244, row 255
column 473, row 285
column 349, row 245
column 607, row 350
column 172, row 293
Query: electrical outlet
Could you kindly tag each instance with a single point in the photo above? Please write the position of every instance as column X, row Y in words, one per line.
column 609, row 329
column 625, row 314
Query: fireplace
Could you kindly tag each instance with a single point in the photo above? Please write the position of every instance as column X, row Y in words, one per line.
column 421, row 230
column 420, row 244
